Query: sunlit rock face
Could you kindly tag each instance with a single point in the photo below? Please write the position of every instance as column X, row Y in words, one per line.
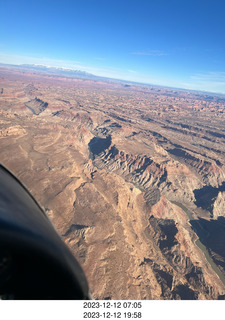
column 132, row 177
column 219, row 205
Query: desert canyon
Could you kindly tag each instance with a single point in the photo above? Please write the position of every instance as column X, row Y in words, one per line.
column 132, row 176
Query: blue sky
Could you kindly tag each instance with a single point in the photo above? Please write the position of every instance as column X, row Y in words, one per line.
column 165, row 42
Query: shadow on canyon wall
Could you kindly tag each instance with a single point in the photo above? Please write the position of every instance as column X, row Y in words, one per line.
column 206, row 196
column 212, row 236
column 98, row 145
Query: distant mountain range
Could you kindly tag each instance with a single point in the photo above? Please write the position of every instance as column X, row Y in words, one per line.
column 60, row 71
column 68, row 72
column 72, row 73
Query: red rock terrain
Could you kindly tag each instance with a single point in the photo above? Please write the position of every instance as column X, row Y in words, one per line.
column 132, row 176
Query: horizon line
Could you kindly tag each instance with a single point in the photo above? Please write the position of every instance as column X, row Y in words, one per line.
column 111, row 78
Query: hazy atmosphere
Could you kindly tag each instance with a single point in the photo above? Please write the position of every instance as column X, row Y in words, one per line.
column 173, row 43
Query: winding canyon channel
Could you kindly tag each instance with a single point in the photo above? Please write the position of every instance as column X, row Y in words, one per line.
column 200, row 244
